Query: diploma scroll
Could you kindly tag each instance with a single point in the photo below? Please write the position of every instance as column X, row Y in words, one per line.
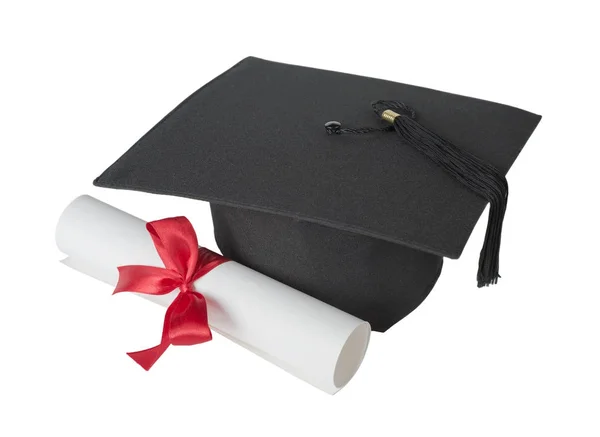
column 306, row 337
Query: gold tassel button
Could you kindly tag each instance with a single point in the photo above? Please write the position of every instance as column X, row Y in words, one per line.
column 389, row 115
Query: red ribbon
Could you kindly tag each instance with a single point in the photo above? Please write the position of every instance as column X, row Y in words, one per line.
column 186, row 320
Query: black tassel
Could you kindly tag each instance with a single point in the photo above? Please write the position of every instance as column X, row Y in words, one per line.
column 480, row 177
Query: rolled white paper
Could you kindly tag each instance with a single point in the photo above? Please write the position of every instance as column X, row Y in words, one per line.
column 306, row 337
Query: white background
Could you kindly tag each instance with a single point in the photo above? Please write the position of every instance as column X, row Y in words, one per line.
column 80, row 83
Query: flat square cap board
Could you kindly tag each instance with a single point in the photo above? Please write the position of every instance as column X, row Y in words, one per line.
column 359, row 221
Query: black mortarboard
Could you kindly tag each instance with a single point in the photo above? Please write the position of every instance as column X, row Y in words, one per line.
column 360, row 220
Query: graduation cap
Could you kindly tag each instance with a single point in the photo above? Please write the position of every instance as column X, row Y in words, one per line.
column 359, row 213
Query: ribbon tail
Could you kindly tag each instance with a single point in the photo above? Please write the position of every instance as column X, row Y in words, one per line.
column 148, row 357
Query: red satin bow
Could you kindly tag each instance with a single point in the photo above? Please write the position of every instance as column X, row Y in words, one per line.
column 186, row 320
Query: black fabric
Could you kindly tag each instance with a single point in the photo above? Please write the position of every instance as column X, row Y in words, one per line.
column 373, row 279
column 254, row 140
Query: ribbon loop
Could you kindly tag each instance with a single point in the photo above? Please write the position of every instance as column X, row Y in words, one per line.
column 186, row 319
